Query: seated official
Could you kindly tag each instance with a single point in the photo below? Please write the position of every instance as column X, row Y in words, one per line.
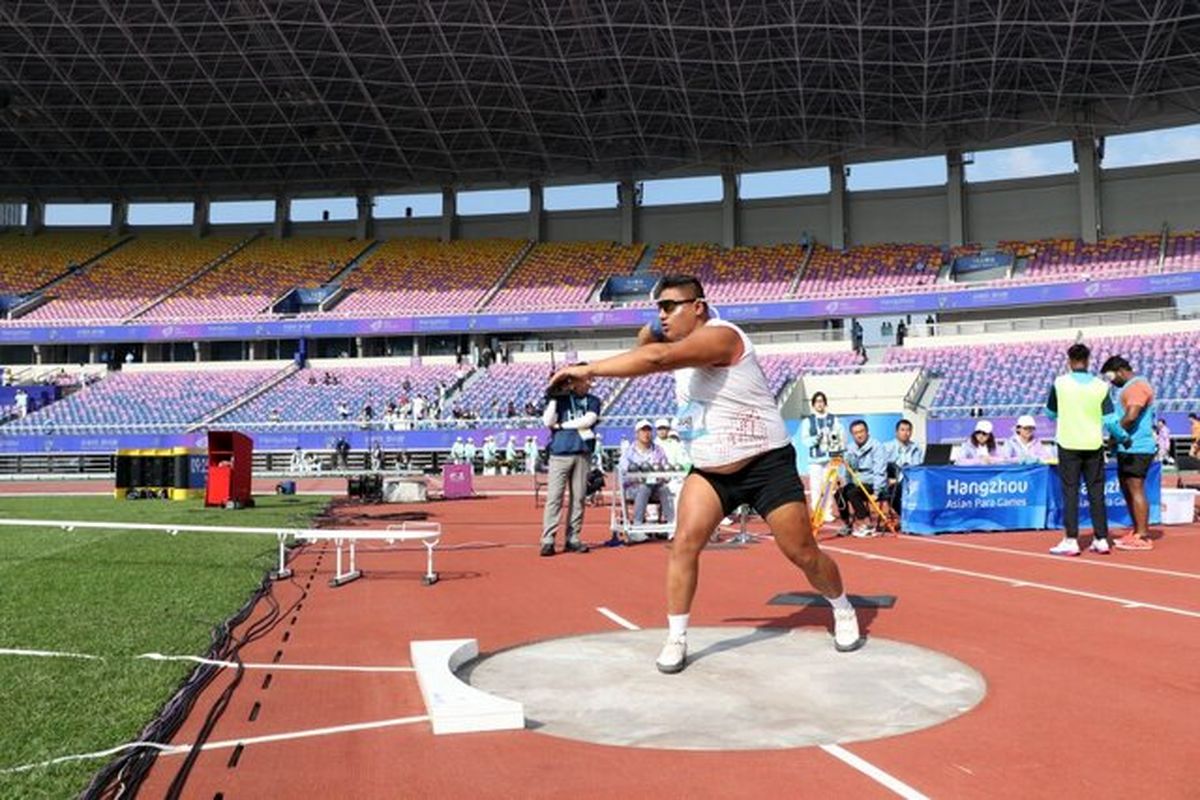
column 867, row 457
column 644, row 455
column 901, row 452
column 1024, row 447
column 980, row 448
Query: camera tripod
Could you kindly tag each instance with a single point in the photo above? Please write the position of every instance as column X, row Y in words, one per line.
column 831, row 482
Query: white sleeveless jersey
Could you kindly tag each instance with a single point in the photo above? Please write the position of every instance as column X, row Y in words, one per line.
column 727, row 414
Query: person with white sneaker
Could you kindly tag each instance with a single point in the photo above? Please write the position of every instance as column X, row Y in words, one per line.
column 1080, row 402
column 739, row 448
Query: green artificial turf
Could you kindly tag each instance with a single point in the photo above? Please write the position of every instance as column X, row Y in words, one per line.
column 113, row 594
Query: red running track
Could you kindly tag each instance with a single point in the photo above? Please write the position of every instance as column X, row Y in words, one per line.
column 1092, row 671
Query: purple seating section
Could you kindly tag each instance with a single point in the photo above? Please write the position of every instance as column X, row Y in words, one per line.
column 1016, row 378
column 246, row 284
column 298, row 400
column 130, row 277
column 869, row 270
column 426, row 276
column 563, row 274
column 487, row 395
column 147, row 398
column 29, row 262
column 740, row 273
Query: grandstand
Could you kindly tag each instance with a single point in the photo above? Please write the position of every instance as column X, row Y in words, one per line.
column 425, row 276
column 248, row 282
column 29, row 263
column 202, row 204
column 564, row 274
column 129, row 278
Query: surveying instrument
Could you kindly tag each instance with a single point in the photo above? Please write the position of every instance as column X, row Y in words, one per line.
column 831, row 481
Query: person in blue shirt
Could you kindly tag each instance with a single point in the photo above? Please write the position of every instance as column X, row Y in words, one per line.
column 1132, row 429
column 901, row 452
column 868, row 458
column 571, row 416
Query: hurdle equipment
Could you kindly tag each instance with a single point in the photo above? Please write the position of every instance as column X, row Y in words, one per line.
column 429, row 533
column 453, row 705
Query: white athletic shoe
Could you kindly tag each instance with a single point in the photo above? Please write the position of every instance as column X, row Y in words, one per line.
column 846, row 637
column 1100, row 546
column 1067, row 547
column 673, row 657
column 863, row 532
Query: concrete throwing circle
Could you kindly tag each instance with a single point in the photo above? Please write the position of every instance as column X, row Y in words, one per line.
column 743, row 689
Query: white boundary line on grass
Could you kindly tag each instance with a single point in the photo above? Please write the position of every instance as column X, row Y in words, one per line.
column 16, row 651
column 178, row 749
column 12, row 651
column 1093, row 562
column 837, row 751
column 252, row 665
column 1019, row 582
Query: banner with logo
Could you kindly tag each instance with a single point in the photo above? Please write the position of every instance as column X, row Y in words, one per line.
column 986, row 498
column 1114, row 501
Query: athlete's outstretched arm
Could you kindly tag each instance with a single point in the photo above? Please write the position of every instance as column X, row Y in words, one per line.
column 706, row 347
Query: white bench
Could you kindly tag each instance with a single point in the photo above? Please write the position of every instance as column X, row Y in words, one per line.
column 453, row 705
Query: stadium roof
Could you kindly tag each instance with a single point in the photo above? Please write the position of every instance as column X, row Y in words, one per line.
column 157, row 98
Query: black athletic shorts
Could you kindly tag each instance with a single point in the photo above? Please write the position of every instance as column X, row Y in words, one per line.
column 1134, row 465
column 766, row 483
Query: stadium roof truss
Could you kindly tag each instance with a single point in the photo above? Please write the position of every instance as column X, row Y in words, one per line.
column 159, row 98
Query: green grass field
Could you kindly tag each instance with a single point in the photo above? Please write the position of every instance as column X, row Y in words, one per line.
column 113, row 594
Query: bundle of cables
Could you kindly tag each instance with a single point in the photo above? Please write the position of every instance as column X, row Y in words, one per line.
column 123, row 776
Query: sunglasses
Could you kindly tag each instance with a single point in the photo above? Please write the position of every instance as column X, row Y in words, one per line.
column 669, row 306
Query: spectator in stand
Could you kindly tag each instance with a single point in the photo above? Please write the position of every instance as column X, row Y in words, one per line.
column 275, row 415
column 1024, row 447
column 343, row 409
column 21, row 399
column 980, row 448
column 644, row 455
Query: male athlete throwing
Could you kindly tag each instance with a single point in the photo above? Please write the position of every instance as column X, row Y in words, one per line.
column 739, row 449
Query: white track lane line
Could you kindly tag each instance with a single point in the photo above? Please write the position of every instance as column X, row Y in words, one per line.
column 873, row 772
column 624, row 623
column 1019, row 582
column 1094, row 562
column 178, row 749
column 15, row 651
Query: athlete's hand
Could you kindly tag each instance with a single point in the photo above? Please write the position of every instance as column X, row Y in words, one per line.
column 563, row 379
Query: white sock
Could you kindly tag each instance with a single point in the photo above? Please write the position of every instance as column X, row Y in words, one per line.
column 677, row 625
column 841, row 602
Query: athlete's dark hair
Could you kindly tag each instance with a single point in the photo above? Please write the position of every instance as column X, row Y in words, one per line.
column 679, row 282
column 1079, row 353
column 903, row 422
column 1116, row 364
column 820, row 395
column 858, row 422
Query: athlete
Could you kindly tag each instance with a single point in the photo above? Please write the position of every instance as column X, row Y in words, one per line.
column 739, row 450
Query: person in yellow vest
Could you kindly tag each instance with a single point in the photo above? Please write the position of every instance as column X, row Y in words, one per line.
column 1081, row 403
